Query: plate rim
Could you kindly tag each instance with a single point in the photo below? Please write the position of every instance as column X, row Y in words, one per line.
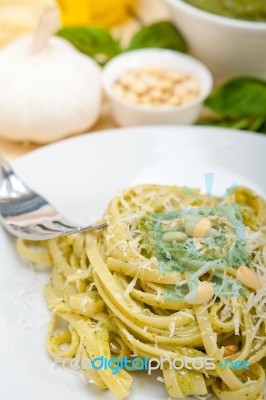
column 132, row 130
column 178, row 130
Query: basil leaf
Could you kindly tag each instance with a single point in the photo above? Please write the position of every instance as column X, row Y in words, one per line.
column 240, row 97
column 223, row 123
column 97, row 43
column 242, row 123
column 161, row 34
column 257, row 124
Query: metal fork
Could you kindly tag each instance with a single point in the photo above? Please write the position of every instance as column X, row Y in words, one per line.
column 26, row 214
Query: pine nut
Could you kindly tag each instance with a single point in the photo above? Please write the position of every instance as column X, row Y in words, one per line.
column 201, row 229
column 165, row 84
column 189, row 228
column 200, row 295
column 175, row 100
column 249, row 278
column 177, row 77
column 161, row 86
column 155, row 94
column 170, row 237
column 181, row 89
column 139, row 88
column 144, row 100
column 191, row 218
column 230, row 350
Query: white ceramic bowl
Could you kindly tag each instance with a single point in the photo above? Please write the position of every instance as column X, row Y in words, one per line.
column 229, row 47
column 130, row 114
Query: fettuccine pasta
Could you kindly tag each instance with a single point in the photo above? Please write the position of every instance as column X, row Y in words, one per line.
column 126, row 290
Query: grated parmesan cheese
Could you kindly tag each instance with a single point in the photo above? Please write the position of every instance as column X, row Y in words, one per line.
column 130, row 287
column 172, row 329
column 236, row 316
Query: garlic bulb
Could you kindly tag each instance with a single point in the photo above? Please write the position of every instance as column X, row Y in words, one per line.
column 48, row 90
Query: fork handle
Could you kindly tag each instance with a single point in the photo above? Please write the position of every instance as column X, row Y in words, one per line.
column 6, row 174
column 5, row 167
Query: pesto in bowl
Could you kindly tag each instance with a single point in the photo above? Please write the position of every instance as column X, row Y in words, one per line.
column 249, row 10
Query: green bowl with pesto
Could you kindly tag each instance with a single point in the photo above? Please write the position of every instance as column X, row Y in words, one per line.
column 229, row 36
column 249, row 10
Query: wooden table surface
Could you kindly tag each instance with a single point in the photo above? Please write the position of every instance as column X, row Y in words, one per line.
column 149, row 10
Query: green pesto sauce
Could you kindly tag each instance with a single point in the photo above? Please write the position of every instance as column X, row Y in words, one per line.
column 250, row 10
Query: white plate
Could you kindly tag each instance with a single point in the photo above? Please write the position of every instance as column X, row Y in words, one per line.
column 80, row 176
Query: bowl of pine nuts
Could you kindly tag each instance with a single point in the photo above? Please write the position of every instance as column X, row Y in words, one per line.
column 156, row 87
